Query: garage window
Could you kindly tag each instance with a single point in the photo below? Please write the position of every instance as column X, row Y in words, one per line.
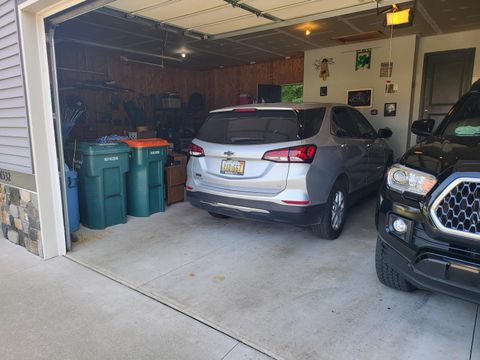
column 292, row 93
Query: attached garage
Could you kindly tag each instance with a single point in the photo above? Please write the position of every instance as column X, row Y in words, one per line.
column 108, row 97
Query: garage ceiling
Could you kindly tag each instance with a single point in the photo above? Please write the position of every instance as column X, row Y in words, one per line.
column 146, row 30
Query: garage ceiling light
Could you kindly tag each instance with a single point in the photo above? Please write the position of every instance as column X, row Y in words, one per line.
column 400, row 17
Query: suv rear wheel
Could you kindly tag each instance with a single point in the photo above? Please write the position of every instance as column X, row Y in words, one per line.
column 333, row 218
column 388, row 275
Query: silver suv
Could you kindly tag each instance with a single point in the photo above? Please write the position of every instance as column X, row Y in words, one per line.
column 300, row 164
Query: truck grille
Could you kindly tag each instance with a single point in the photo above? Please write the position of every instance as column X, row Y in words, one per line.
column 457, row 208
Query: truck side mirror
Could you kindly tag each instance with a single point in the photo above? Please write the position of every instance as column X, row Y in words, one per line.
column 423, row 127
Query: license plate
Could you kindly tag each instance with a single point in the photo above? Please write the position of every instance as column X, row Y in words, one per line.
column 232, row 167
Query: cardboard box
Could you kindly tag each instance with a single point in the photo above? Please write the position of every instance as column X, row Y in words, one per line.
column 176, row 175
column 149, row 134
column 175, row 194
column 179, row 157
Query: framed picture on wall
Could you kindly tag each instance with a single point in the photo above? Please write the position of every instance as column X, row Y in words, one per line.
column 360, row 98
column 363, row 59
column 390, row 109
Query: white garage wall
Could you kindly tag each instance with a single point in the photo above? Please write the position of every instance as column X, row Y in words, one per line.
column 343, row 76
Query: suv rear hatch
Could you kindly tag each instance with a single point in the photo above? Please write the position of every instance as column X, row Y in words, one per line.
column 234, row 143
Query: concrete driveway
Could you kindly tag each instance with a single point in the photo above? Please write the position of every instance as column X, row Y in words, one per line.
column 58, row 309
column 280, row 289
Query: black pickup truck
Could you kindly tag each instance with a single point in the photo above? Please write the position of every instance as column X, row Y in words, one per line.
column 428, row 210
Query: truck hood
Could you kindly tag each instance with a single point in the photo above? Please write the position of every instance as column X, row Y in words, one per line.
column 443, row 155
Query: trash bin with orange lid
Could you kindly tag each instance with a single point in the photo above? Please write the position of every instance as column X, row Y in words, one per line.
column 145, row 180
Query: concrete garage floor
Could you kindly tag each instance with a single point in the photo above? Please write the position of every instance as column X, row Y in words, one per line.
column 280, row 289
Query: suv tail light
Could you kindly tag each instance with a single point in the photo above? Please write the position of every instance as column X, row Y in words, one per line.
column 296, row 154
column 195, row 150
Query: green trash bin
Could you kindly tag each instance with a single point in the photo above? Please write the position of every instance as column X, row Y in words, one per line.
column 145, row 185
column 102, row 194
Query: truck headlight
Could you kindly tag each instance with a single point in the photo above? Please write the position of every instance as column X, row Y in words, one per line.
column 402, row 178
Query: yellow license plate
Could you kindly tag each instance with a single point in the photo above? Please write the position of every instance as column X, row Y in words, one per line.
column 232, row 167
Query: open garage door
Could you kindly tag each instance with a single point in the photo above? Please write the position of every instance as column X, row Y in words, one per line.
column 124, row 71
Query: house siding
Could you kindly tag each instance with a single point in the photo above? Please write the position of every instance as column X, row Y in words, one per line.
column 15, row 150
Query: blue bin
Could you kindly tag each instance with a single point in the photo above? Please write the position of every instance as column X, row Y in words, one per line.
column 71, row 180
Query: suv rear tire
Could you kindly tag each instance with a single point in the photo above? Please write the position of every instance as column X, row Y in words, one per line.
column 388, row 275
column 328, row 228
column 218, row 216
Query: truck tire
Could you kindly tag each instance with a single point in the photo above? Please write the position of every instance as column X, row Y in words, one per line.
column 388, row 275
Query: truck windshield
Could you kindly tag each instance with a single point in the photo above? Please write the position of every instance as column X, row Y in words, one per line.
column 261, row 126
column 464, row 120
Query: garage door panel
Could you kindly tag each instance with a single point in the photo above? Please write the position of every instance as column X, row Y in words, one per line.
column 316, row 7
column 207, row 15
column 269, row 5
column 233, row 24
column 165, row 10
column 131, row 6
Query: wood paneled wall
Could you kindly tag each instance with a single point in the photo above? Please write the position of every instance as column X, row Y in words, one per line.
column 220, row 87
column 225, row 85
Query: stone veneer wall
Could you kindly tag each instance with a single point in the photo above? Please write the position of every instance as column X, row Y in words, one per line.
column 20, row 219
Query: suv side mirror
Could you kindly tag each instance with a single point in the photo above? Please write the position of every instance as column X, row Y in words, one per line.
column 423, row 127
column 384, row 133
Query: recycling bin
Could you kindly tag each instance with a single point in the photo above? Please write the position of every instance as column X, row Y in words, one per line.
column 102, row 188
column 145, row 180
column 71, row 180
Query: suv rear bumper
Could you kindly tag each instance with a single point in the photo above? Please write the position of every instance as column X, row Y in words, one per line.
column 257, row 210
column 422, row 260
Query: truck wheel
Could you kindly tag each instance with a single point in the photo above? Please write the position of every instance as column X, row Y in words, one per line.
column 388, row 275
column 333, row 218
column 218, row 216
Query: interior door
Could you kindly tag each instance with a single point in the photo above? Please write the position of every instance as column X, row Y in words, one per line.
column 447, row 75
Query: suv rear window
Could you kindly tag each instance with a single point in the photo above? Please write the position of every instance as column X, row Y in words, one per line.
column 261, row 127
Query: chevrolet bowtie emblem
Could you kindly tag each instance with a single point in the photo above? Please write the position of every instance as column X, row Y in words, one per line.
column 229, row 153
